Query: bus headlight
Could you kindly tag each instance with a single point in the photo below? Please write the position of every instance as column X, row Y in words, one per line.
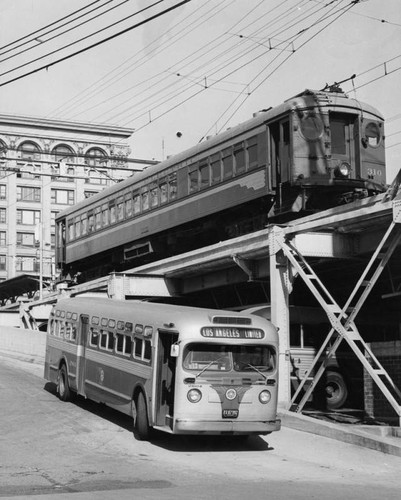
column 231, row 394
column 265, row 397
column 194, row 395
column 342, row 170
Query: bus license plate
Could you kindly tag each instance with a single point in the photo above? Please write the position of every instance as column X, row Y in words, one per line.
column 230, row 413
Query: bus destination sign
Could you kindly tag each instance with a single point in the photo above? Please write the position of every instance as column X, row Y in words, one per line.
column 232, row 333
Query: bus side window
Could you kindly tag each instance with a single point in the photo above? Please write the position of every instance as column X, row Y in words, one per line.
column 142, row 349
column 73, row 333
column 106, row 340
column 94, row 337
column 147, row 354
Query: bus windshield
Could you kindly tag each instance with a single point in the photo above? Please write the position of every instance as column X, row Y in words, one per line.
column 224, row 358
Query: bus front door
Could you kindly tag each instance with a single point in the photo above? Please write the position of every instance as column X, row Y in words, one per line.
column 165, row 380
column 81, row 361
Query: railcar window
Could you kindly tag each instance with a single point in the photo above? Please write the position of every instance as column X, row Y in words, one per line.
column 128, row 205
column 154, row 197
column 204, row 174
column 312, row 127
column 120, row 209
column 227, row 163
column 84, row 225
column 252, row 147
column 215, row 166
column 70, row 231
column 163, row 192
column 372, row 133
column 193, row 180
column 91, row 223
column 112, row 209
column 239, row 158
column 77, row 227
column 145, row 200
column 98, row 218
column 105, row 215
column 137, row 203
column 172, row 187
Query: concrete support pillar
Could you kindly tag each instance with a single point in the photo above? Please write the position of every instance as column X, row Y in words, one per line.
column 280, row 288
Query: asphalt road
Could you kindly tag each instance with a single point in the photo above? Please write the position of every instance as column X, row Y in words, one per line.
column 82, row 450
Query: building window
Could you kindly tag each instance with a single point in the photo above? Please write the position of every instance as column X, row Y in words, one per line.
column 33, row 173
column 3, row 238
column 28, row 194
column 3, row 192
column 25, row 240
column 53, row 216
column 96, row 157
column 3, row 265
column 96, row 177
column 3, row 216
column 62, row 197
column 27, row 264
column 28, row 217
column 88, row 194
column 63, row 153
column 29, row 151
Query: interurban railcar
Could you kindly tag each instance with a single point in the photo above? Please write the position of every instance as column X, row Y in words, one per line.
column 315, row 151
column 181, row 370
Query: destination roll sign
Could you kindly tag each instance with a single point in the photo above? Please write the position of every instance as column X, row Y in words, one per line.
column 232, row 333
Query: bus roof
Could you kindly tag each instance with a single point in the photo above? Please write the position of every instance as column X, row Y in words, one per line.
column 157, row 314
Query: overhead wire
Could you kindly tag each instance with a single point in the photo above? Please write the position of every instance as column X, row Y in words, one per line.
column 184, row 100
column 100, row 42
column 219, row 67
column 249, row 61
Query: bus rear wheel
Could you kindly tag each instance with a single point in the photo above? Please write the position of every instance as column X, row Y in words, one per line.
column 141, row 421
column 63, row 387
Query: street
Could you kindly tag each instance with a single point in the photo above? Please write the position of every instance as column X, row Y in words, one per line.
column 83, row 450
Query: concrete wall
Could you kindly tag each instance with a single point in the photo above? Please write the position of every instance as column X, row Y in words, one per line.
column 24, row 344
column 376, row 405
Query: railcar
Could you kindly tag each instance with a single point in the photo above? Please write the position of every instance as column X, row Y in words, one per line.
column 316, row 150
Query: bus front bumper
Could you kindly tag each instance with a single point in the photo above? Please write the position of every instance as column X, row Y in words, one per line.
column 225, row 427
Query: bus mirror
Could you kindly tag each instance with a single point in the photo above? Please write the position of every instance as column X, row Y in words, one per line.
column 175, row 350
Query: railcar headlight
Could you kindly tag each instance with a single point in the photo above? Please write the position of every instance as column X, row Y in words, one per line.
column 342, row 170
column 265, row 397
column 194, row 395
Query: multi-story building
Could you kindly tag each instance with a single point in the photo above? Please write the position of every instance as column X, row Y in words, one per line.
column 45, row 166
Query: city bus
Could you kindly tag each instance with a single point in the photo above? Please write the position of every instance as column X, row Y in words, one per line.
column 181, row 370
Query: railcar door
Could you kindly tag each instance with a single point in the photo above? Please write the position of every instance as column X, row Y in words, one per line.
column 342, row 133
column 165, row 379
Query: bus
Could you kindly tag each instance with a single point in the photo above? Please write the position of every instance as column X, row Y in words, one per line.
column 181, row 370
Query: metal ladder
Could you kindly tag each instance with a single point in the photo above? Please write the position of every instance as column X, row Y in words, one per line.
column 342, row 320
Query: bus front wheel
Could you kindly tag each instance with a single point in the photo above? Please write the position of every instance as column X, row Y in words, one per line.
column 63, row 387
column 141, row 421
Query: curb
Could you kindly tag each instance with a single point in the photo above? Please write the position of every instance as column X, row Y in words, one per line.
column 350, row 433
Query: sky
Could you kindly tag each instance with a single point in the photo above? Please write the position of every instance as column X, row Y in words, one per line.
column 201, row 67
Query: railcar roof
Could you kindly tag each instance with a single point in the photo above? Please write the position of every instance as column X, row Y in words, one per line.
column 306, row 99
